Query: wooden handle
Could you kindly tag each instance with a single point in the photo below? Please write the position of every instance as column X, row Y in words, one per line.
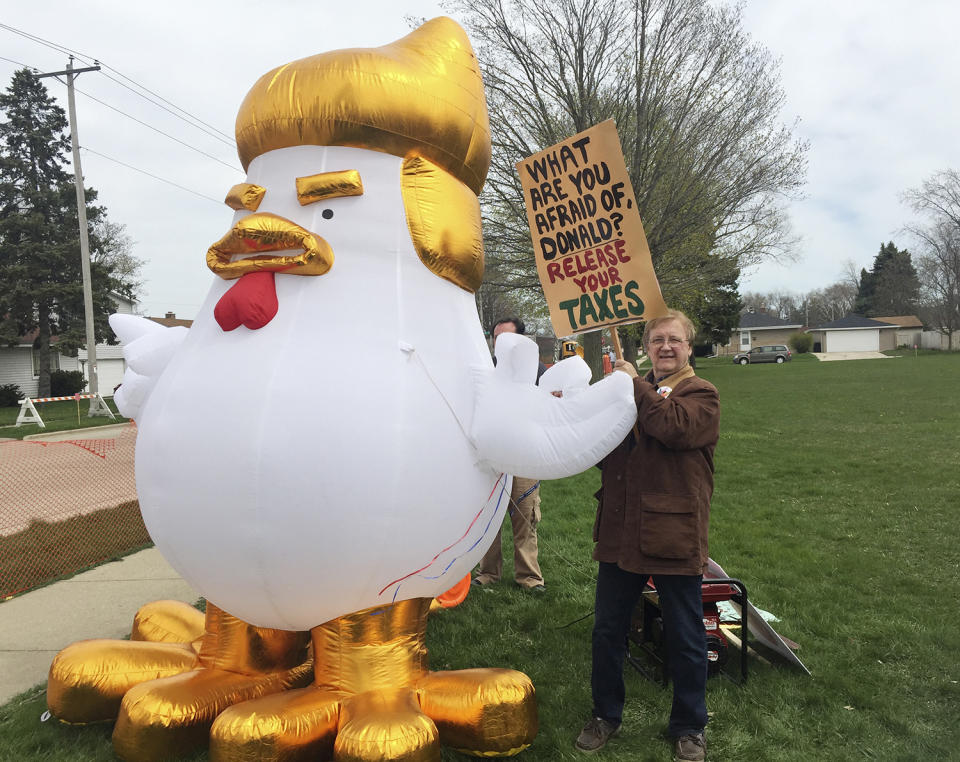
column 615, row 340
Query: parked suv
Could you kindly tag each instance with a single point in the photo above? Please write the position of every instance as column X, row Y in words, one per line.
column 777, row 353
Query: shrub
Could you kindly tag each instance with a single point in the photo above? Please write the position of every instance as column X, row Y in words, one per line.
column 10, row 395
column 801, row 343
column 66, row 382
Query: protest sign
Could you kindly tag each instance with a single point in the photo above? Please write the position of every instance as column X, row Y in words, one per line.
column 591, row 252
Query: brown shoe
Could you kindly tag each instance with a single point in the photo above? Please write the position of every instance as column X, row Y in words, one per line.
column 690, row 748
column 595, row 735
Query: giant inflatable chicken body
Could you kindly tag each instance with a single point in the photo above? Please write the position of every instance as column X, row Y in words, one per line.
column 328, row 447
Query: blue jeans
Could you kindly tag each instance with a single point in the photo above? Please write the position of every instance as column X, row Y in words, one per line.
column 681, row 603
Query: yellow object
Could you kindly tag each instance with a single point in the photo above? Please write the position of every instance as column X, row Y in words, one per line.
column 373, row 699
column 569, row 349
column 169, row 718
column 164, row 695
column 420, row 95
column 88, row 679
column 263, row 232
column 329, row 185
column 168, row 622
column 245, row 196
column 443, row 217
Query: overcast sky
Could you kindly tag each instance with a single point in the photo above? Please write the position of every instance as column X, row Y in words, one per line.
column 873, row 83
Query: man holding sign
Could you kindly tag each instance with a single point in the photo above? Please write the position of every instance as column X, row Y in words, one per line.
column 595, row 267
column 652, row 520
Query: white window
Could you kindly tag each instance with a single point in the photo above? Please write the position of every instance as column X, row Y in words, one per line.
column 54, row 362
column 744, row 340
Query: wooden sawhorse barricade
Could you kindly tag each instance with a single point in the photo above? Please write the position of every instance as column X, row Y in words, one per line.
column 29, row 414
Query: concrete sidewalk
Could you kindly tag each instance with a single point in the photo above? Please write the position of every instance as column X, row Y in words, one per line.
column 99, row 603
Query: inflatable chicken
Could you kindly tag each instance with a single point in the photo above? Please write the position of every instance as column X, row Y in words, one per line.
column 329, row 447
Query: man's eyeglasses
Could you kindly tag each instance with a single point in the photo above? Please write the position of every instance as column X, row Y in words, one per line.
column 661, row 341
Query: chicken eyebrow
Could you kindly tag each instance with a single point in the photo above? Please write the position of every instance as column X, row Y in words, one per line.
column 326, row 185
column 245, row 196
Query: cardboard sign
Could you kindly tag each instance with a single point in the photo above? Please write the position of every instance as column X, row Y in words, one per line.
column 588, row 241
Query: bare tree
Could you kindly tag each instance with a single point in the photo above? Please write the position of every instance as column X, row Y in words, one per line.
column 937, row 200
column 850, row 279
column 818, row 306
column 828, row 304
column 114, row 250
column 696, row 103
column 779, row 304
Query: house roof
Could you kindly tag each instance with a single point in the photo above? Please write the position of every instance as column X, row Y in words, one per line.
column 851, row 321
column 904, row 321
column 170, row 320
column 761, row 320
column 28, row 338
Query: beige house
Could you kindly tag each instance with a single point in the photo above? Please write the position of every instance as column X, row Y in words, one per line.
column 909, row 329
column 757, row 329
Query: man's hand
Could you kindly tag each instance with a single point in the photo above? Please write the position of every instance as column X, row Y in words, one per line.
column 626, row 367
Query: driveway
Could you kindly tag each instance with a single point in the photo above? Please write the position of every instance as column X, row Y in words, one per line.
column 829, row 356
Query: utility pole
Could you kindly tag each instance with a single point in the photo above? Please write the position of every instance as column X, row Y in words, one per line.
column 70, row 73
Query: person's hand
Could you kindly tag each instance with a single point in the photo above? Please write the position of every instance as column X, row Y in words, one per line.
column 626, row 367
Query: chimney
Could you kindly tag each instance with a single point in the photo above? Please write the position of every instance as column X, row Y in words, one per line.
column 171, row 316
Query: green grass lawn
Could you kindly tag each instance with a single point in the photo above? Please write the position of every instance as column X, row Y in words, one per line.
column 56, row 416
column 836, row 502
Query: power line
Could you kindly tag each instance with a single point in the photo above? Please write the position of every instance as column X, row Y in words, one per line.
column 48, row 43
column 158, row 130
column 18, row 63
column 118, row 161
column 155, row 177
column 191, row 119
column 183, row 114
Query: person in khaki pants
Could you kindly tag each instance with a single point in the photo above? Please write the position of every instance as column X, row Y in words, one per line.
column 524, row 512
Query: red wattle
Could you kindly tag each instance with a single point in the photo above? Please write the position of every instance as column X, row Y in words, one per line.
column 251, row 301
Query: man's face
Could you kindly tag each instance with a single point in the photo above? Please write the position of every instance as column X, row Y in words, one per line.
column 668, row 348
column 503, row 328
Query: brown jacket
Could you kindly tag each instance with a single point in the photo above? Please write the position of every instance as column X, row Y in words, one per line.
column 655, row 500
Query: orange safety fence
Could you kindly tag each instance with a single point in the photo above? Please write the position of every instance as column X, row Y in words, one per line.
column 66, row 506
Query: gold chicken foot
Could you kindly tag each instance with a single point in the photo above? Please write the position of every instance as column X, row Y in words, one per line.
column 181, row 669
column 373, row 700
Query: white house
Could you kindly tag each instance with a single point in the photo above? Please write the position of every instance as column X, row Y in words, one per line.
column 854, row 333
column 18, row 364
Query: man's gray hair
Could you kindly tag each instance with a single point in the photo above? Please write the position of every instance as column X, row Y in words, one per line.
column 688, row 327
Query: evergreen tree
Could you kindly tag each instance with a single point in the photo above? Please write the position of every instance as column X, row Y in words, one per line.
column 891, row 287
column 718, row 311
column 41, row 285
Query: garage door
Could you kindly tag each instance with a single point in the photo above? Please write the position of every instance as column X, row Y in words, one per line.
column 109, row 374
column 853, row 341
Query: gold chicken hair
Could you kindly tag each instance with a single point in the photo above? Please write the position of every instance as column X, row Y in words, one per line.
column 420, row 98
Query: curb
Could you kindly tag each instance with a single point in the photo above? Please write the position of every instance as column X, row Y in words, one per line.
column 90, row 432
